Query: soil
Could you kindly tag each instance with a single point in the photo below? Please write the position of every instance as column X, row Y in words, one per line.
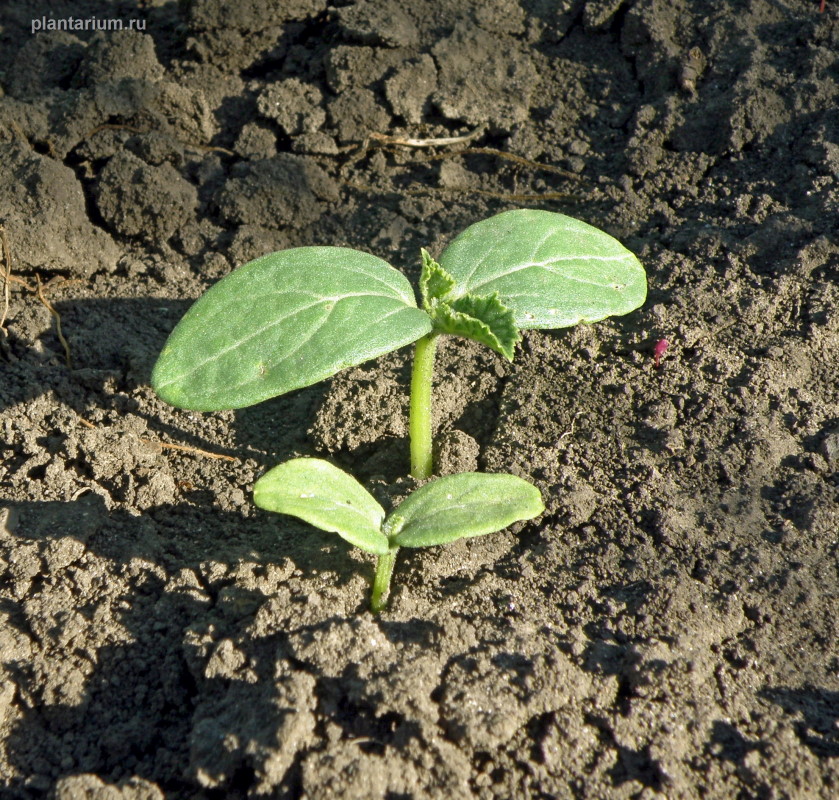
column 667, row 629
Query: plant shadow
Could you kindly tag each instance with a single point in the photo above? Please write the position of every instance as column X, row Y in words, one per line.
column 113, row 346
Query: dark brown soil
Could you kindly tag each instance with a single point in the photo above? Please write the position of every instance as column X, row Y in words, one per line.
column 668, row 629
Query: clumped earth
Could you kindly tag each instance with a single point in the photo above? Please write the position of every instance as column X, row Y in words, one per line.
column 667, row 629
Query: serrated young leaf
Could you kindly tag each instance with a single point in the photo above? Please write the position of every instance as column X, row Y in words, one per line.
column 459, row 506
column 550, row 270
column 484, row 319
column 284, row 321
column 435, row 282
column 324, row 496
column 495, row 315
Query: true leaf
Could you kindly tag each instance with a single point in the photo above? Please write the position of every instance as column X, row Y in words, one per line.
column 484, row 319
column 435, row 282
column 324, row 496
column 284, row 321
column 552, row 271
column 463, row 505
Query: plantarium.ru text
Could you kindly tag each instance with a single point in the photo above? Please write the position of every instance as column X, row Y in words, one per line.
column 292, row 318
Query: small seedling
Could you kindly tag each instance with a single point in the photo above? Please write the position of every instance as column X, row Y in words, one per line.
column 444, row 510
column 292, row 318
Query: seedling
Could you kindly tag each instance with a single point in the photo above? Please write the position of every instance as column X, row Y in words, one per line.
column 292, row 318
column 442, row 511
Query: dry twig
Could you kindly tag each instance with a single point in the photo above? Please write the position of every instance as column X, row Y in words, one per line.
column 7, row 276
column 410, row 142
column 391, row 142
column 23, row 283
column 57, row 317
column 38, row 290
column 400, row 141
column 570, row 431
column 184, row 448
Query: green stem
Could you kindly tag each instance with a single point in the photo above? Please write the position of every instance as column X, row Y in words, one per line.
column 381, row 582
column 419, row 421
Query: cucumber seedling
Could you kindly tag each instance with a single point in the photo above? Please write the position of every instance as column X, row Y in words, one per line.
column 292, row 318
column 443, row 510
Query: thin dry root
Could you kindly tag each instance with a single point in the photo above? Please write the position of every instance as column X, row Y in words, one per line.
column 184, row 448
column 7, row 277
column 57, row 316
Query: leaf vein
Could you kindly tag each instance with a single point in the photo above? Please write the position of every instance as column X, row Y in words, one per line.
column 239, row 342
column 547, row 266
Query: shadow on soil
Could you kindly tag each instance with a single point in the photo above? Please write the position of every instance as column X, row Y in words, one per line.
column 108, row 370
column 817, row 711
column 139, row 704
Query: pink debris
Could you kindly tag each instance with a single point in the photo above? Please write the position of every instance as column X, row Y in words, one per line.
column 658, row 351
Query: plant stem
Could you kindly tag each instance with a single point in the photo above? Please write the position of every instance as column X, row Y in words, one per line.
column 381, row 583
column 419, row 420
